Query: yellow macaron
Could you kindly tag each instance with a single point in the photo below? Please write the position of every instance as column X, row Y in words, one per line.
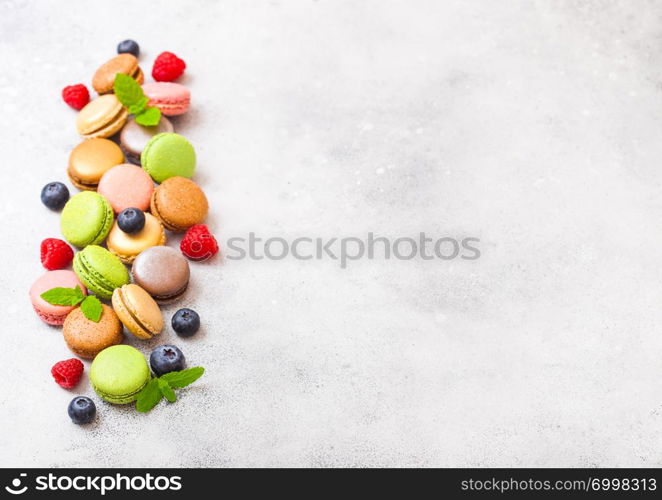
column 137, row 311
column 127, row 246
column 102, row 117
column 90, row 160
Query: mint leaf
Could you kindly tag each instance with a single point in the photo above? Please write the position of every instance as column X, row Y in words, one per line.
column 127, row 90
column 61, row 296
column 167, row 391
column 138, row 107
column 91, row 308
column 149, row 117
column 149, row 397
column 184, row 377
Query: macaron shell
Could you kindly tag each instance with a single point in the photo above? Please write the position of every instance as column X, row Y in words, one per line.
column 119, row 373
column 171, row 98
column 161, row 271
column 49, row 313
column 179, row 203
column 100, row 270
column 90, row 160
column 138, row 311
column 128, row 246
column 86, row 338
column 102, row 117
column 126, row 186
column 168, row 155
column 86, row 219
column 104, row 78
column 134, row 137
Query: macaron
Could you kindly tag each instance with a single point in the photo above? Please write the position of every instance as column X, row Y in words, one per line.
column 119, row 373
column 134, row 137
column 100, row 270
column 90, row 160
column 171, row 98
column 179, row 203
column 87, row 338
column 104, row 78
column 49, row 313
column 127, row 246
column 168, row 155
column 86, row 219
column 163, row 272
column 138, row 311
column 102, row 117
column 126, row 186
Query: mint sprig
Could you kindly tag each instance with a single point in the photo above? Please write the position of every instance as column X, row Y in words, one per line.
column 92, row 308
column 132, row 97
column 61, row 296
column 161, row 387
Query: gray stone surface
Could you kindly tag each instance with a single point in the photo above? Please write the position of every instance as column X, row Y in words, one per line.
column 535, row 126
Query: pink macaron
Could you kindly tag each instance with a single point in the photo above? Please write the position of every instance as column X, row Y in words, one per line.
column 126, row 186
column 171, row 98
column 53, row 315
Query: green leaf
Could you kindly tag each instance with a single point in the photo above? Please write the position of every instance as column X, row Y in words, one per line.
column 92, row 308
column 184, row 377
column 138, row 107
column 127, row 90
column 167, row 391
column 149, row 117
column 149, row 397
column 61, row 296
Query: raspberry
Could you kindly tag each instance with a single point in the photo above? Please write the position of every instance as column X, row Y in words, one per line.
column 67, row 373
column 168, row 67
column 55, row 254
column 76, row 96
column 198, row 243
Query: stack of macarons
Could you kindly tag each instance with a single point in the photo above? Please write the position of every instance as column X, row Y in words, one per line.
column 135, row 185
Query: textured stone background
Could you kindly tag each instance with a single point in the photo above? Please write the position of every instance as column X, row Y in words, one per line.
column 535, row 126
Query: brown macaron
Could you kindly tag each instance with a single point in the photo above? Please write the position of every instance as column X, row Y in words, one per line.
column 86, row 338
column 163, row 272
column 104, row 78
column 138, row 311
column 179, row 203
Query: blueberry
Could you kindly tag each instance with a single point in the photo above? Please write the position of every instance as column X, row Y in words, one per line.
column 131, row 220
column 128, row 46
column 186, row 322
column 165, row 359
column 54, row 195
column 82, row 410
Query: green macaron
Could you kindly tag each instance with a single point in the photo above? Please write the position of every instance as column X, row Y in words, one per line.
column 100, row 271
column 119, row 373
column 86, row 219
column 168, row 155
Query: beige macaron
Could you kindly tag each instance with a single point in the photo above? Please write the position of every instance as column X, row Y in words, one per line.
column 102, row 117
column 138, row 311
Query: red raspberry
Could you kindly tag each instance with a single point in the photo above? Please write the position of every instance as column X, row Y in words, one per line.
column 67, row 373
column 55, row 254
column 198, row 243
column 168, row 67
column 76, row 96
